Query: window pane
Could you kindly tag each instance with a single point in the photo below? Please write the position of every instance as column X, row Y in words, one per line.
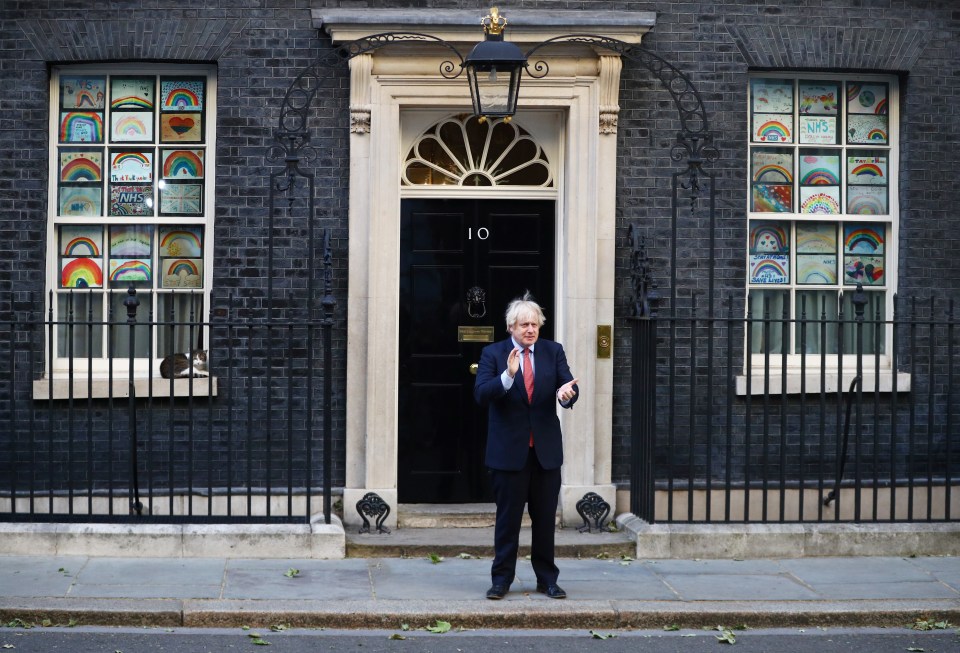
column 816, row 312
column 79, row 325
column 873, row 324
column 121, row 333
column 179, row 323
column 767, row 322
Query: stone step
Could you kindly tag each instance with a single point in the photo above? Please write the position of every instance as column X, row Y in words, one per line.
column 450, row 515
column 478, row 542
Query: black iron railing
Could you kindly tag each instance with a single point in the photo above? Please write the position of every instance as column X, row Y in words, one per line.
column 856, row 436
column 118, row 442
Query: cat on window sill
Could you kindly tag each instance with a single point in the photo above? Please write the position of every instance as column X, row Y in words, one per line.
column 182, row 366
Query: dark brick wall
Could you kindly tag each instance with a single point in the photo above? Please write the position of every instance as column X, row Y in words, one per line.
column 260, row 46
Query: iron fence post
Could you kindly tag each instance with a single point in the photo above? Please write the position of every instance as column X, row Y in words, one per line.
column 132, row 302
column 328, row 303
column 643, row 382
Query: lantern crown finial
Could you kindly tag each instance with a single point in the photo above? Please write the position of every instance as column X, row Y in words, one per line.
column 493, row 23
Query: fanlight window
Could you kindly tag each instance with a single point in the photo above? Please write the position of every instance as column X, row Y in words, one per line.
column 463, row 151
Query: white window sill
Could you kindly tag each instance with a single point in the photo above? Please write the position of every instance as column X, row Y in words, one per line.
column 815, row 384
column 100, row 388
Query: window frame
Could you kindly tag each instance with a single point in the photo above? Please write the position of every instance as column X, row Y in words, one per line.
column 102, row 366
column 810, row 364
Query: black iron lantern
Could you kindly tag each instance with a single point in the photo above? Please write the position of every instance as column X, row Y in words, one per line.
column 493, row 70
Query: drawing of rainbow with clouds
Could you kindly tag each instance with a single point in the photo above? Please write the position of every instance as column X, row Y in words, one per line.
column 180, row 242
column 863, row 239
column 820, row 171
column 81, row 127
column 182, row 273
column 80, row 273
column 187, row 164
column 131, row 166
column 127, row 270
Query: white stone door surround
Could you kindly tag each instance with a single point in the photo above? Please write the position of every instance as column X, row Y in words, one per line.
column 581, row 94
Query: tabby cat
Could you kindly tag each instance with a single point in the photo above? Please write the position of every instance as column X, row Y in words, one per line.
column 179, row 366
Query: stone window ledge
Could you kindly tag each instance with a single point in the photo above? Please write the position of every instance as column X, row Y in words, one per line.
column 119, row 388
column 815, row 383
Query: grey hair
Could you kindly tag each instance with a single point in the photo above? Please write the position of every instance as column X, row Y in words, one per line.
column 523, row 306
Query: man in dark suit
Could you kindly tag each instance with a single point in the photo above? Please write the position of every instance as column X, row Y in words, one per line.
column 520, row 380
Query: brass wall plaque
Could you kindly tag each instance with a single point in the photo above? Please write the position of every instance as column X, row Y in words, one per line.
column 475, row 334
column 604, row 340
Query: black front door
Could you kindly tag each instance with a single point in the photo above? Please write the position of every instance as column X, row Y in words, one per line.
column 447, row 248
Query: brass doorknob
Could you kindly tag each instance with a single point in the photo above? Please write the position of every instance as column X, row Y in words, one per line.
column 473, row 368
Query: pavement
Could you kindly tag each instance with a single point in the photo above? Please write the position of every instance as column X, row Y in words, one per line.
column 615, row 592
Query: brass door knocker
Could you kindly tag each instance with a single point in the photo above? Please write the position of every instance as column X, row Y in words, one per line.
column 476, row 302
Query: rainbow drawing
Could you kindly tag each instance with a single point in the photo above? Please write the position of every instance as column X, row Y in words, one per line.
column 181, row 95
column 766, row 237
column 130, row 241
column 182, row 265
column 769, row 269
column 866, row 205
column 881, row 107
column 131, row 126
column 131, row 102
column 182, row 273
column 817, row 238
column 80, row 92
column 126, row 270
column 82, row 246
column 863, row 239
column 824, row 203
column 180, row 242
column 816, row 269
column 131, row 93
column 186, row 164
column 80, row 273
column 866, row 170
column 182, row 99
column 773, row 173
column 131, row 166
column 866, row 129
column 773, row 131
column 819, row 177
column 81, row 127
column 79, row 240
column 80, row 167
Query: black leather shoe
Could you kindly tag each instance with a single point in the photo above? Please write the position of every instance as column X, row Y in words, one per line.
column 497, row 592
column 553, row 591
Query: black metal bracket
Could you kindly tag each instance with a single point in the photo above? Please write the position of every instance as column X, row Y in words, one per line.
column 592, row 506
column 371, row 505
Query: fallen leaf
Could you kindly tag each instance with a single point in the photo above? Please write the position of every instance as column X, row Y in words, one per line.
column 597, row 635
column 672, row 627
column 396, row 636
column 440, row 627
column 291, row 573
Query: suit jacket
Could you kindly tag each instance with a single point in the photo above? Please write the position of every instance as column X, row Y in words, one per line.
column 512, row 418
